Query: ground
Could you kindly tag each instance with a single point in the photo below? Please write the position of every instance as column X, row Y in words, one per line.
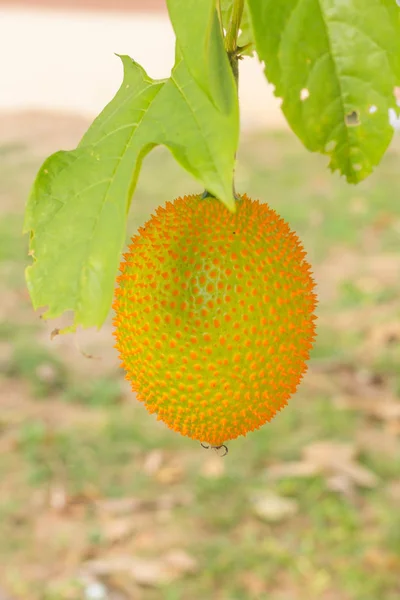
column 96, row 492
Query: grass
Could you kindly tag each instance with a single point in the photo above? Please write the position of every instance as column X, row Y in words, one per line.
column 73, row 425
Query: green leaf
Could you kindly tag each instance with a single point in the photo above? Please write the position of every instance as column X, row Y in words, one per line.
column 246, row 36
column 335, row 64
column 199, row 38
column 79, row 202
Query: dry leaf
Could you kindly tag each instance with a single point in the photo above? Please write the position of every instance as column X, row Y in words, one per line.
column 46, row 373
column 375, row 440
column 339, row 458
column 148, row 572
column 117, row 530
column 125, row 506
column 335, row 460
column 361, row 476
column 122, row 587
column 171, row 473
column 58, row 499
column 107, row 566
column 383, row 408
column 341, row 483
column 120, row 506
column 328, row 455
column 153, row 462
column 168, row 501
column 389, row 411
column 273, row 508
column 292, row 469
column 180, row 561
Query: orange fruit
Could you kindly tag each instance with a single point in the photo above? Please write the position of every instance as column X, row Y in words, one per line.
column 214, row 316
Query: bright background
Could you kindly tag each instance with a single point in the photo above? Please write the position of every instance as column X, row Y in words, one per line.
column 98, row 500
column 58, row 60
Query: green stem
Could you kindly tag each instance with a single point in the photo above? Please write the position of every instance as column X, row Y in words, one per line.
column 219, row 12
column 231, row 48
column 232, row 36
column 234, row 25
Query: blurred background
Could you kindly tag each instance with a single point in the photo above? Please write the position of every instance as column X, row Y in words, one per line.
column 98, row 500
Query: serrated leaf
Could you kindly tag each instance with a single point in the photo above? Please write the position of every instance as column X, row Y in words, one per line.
column 78, row 206
column 335, row 64
column 199, row 38
column 246, row 36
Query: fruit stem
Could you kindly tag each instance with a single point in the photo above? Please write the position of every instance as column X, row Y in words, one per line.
column 233, row 27
column 232, row 37
column 233, row 53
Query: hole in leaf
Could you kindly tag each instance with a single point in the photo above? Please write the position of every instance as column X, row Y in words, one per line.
column 394, row 120
column 357, row 167
column 331, row 145
column 352, row 119
column 304, row 94
column 372, row 109
column 396, row 93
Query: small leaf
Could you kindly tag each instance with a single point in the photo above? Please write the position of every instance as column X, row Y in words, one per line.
column 199, row 38
column 335, row 460
column 79, row 202
column 273, row 508
column 335, row 65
